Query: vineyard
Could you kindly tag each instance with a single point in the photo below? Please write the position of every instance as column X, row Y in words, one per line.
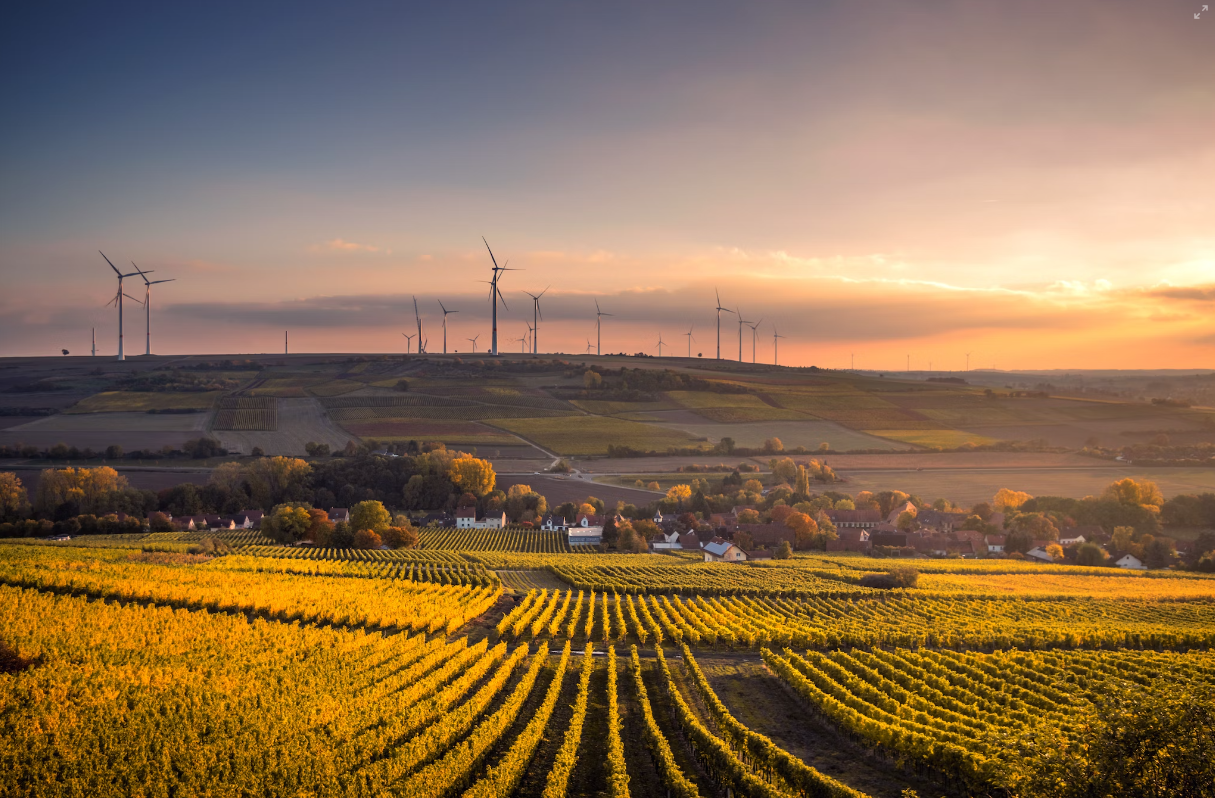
column 247, row 413
column 517, row 539
column 296, row 670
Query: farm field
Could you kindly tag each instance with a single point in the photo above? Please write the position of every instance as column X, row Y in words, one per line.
column 117, row 422
column 509, row 671
column 932, row 438
column 809, row 433
column 299, row 422
column 970, row 485
column 140, row 401
column 583, row 435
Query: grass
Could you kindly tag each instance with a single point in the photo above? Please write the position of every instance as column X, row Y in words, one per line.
column 138, row 401
column 289, row 387
column 592, row 434
column 742, row 415
column 447, row 431
column 935, row 438
column 602, row 407
column 696, row 400
column 335, row 388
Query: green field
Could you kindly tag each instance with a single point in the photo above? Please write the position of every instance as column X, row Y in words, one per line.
column 139, row 401
column 587, row 435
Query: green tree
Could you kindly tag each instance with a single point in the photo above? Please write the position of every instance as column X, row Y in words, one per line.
column 369, row 515
column 1091, row 554
column 783, row 551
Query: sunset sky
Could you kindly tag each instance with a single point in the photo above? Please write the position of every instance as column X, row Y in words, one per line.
column 1032, row 182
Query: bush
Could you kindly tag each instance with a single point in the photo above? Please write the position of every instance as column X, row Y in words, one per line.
column 899, row 576
column 367, row 539
column 783, row 552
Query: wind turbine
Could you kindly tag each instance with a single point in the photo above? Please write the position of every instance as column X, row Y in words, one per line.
column 147, row 302
column 599, row 314
column 741, row 322
column 588, row 346
column 531, row 337
column 408, row 342
column 522, row 341
column 474, row 341
column 445, row 312
column 754, row 334
column 495, row 294
column 118, row 300
column 691, row 338
column 536, row 316
column 719, row 310
column 775, row 352
column 421, row 341
column 660, row 343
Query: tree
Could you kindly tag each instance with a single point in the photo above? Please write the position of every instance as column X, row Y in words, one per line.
column 1131, row 491
column 773, row 445
column 400, row 536
column 159, row 522
column 274, row 480
column 319, row 525
column 287, row 523
column 646, row 529
column 1006, row 500
column 1091, row 554
column 785, row 470
column 1158, row 553
column 90, row 490
column 783, row 551
column 906, row 521
column 983, row 510
column 610, row 535
column 805, row 530
column 1124, row 538
column 726, row 445
column 1039, row 526
column 1055, row 551
column 1135, row 742
column 369, row 515
column 14, row 501
column 626, row 536
column 592, row 380
column 653, row 486
column 1019, row 541
column 748, row 516
column 472, row 474
column 744, row 541
column 802, row 486
column 367, row 539
column 679, row 493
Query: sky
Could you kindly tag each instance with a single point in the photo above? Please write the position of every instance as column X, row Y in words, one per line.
column 884, row 183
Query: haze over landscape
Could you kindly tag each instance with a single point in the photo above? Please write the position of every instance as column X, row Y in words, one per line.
column 884, row 180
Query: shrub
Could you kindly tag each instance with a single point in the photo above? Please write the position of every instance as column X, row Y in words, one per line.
column 899, row 576
column 367, row 539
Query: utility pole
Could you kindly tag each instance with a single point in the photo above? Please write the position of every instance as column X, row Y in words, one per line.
column 286, row 349
column 968, row 361
column 94, row 342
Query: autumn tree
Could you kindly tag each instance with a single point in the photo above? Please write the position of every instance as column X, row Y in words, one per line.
column 653, row 486
column 679, row 493
column 14, row 501
column 744, row 541
column 802, row 486
column 369, row 515
column 906, row 521
column 646, row 529
column 1090, row 554
column 472, row 474
column 784, row 469
column 287, row 523
column 401, row 534
column 783, row 551
column 319, row 524
column 805, row 530
column 91, row 490
column 748, row 516
column 773, row 445
column 1006, row 500
column 1131, row 491
column 779, row 513
column 367, row 539
column 591, row 380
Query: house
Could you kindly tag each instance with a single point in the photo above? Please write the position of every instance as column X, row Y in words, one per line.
column 554, row 523
column 905, row 507
column 719, row 550
column 223, row 523
column 967, row 549
column 585, row 520
column 893, row 539
column 995, row 544
column 690, row 540
column 339, row 515
column 666, row 541
column 937, row 521
column 190, row 523
column 859, row 519
column 768, row 534
column 1130, row 562
column 723, row 521
column 1039, row 554
column 759, row 554
column 850, row 540
column 466, row 518
column 1072, row 540
column 587, row 530
column 248, row 519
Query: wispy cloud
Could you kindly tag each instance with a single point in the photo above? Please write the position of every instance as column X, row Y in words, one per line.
column 341, row 245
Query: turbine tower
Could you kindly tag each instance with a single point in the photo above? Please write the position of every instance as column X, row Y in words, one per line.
column 536, row 316
column 408, row 343
column 719, row 310
column 147, row 302
column 691, row 338
column 495, row 294
column 599, row 314
column 754, row 334
column 660, row 343
column 474, row 341
column 118, row 301
column 445, row 312
column 531, row 337
column 94, row 342
column 588, row 346
column 741, row 322
column 775, row 353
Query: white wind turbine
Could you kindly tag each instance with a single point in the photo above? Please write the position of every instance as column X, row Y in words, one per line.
column 495, row 294
column 660, row 343
column 741, row 322
column 719, row 310
column 117, row 300
column 588, row 346
column 537, row 316
column 754, row 334
column 775, row 338
column 418, row 318
column 147, row 302
column 599, row 314
column 690, row 338
column 409, row 342
column 445, row 312
column 474, row 341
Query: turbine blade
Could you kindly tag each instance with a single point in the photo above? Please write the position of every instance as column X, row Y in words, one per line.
column 112, row 266
column 491, row 253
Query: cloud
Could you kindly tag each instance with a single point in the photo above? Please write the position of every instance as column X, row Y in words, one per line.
column 1193, row 293
column 340, row 245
